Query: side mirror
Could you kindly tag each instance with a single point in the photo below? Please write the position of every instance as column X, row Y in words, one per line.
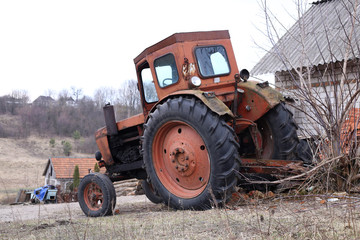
column 244, row 75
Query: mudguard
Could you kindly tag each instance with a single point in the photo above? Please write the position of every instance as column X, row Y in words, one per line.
column 209, row 99
column 257, row 99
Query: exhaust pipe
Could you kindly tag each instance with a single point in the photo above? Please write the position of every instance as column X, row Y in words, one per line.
column 110, row 121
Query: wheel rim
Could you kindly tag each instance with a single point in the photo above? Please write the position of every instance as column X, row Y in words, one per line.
column 93, row 196
column 181, row 159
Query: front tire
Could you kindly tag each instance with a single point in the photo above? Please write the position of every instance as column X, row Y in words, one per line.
column 96, row 194
column 190, row 154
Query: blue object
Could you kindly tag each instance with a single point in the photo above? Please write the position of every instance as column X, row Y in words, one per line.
column 40, row 193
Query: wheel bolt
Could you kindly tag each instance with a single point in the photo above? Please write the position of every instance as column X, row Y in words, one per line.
column 176, row 167
column 187, row 158
column 173, row 160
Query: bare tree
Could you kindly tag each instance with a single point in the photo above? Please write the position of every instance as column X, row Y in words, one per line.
column 50, row 93
column 105, row 95
column 129, row 99
column 317, row 65
column 21, row 95
column 77, row 93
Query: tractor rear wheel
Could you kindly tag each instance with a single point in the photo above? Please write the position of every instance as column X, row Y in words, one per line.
column 280, row 140
column 96, row 194
column 150, row 192
column 190, row 154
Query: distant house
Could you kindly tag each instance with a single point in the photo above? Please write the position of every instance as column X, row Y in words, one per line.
column 318, row 47
column 60, row 170
column 69, row 101
column 44, row 101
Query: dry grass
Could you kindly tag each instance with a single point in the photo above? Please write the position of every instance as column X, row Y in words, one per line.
column 276, row 219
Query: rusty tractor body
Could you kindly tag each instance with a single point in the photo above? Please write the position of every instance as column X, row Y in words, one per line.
column 203, row 126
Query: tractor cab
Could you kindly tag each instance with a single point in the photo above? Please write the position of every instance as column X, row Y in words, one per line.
column 186, row 62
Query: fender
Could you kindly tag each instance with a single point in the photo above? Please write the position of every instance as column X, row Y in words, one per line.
column 211, row 101
column 256, row 99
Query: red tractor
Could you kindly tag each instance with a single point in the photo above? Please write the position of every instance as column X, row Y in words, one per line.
column 203, row 126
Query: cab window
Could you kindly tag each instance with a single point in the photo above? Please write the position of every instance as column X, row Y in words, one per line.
column 148, row 84
column 212, row 61
column 166, row 71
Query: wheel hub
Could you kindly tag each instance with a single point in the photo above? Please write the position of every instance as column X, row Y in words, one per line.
column 182, row 162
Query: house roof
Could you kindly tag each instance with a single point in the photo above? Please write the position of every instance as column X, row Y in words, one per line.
column 44, row 99
column 64, row 166
column 320, row 36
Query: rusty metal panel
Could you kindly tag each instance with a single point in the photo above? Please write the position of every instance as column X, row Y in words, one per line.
column 267, row 166
column 131, row 122
column 257, row 100
column 183, row 37
column 103, row 145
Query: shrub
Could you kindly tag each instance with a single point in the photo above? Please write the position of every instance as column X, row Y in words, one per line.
column 52, row 142
column 67, row 148
column 76, row 177
column 76, row 135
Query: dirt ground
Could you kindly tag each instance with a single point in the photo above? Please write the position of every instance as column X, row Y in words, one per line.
column 23, row 212
column 282, row 217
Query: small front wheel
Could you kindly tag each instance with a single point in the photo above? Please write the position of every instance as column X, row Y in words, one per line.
column 96, row 195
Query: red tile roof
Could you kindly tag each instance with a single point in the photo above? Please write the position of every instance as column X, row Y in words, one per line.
column 64, row 167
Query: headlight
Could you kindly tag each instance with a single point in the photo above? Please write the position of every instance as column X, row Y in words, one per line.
column 196, row 81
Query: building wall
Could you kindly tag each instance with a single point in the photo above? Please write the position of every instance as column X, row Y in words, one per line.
column 324, row 81
column 50, row 177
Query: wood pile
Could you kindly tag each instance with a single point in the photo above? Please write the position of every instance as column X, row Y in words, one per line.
column 128, row 187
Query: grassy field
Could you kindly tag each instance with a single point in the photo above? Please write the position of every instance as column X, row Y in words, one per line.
column 279, row 218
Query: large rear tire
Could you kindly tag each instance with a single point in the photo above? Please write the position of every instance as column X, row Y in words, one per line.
column 279, row 128
column 96, row 194
column 190, row 154
column 279, row 138
column 150, row 192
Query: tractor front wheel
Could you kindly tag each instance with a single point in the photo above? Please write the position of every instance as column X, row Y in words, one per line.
column 190, row 154
column 96, row 195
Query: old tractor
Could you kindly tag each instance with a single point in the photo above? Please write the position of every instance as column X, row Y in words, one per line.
column 204, row 125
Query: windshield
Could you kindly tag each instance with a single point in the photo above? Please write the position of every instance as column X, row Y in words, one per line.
column 166, row 72
column 212, row 61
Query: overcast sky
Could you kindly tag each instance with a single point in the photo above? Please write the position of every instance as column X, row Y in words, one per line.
column 88, row 44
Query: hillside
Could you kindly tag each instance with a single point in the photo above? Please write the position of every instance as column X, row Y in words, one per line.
column 23, row 161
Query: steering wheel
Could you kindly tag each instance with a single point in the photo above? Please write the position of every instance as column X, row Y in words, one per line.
column 167, row 79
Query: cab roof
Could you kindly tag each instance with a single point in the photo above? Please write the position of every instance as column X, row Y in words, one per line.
column 183, row 37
